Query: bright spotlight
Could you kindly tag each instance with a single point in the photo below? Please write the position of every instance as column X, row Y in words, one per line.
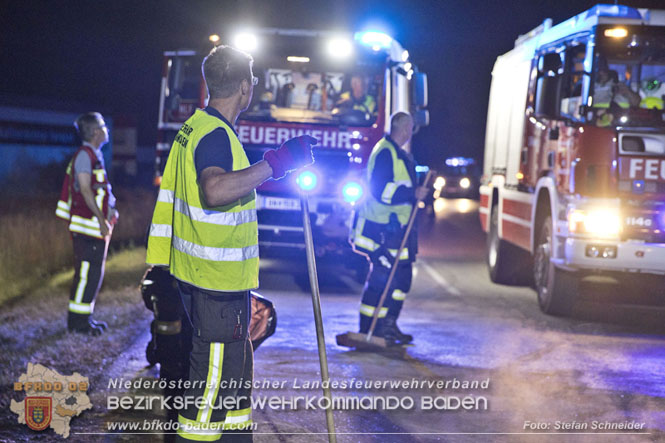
column 246, row 42
column 340, row 48
column 214, row 38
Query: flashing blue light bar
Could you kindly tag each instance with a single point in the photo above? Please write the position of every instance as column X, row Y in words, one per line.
column 307, row 180
column 614, row 11
column 352, row 192
column 374, row 39
column 459, row 161
column 422, row 168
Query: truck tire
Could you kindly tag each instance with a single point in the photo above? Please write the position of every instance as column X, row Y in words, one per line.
column 507, row 263
column 556, row 288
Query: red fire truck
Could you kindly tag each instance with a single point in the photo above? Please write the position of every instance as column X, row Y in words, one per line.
column 574, row 173
column 306, row 86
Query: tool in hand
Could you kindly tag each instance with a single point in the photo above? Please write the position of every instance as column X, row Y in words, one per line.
column 318, row 320
column 368, row 341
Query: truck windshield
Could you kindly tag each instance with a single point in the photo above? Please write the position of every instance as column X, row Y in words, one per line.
column 315, row 96
column 628, row 82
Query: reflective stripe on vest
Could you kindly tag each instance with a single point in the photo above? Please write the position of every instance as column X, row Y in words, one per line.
column 210, row 247
column 380, row 211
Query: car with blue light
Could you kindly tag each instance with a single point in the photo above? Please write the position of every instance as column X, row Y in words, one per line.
column 303, row 77
column 458, row 178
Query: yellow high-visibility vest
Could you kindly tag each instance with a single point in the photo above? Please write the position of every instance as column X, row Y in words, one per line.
column 379, row 212
column 367, row 104
column 213, row 248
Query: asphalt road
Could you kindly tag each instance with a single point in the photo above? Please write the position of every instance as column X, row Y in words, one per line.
column 594, row 373
column 487, row 365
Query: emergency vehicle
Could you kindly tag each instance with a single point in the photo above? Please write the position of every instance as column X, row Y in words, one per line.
column 303, row 77
column 574, row 175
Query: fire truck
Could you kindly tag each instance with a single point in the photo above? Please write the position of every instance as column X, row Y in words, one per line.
column 307, row 81
column 574, row 175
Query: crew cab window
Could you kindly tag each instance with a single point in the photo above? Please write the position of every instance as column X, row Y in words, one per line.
column 575, row 82
column 300, row 95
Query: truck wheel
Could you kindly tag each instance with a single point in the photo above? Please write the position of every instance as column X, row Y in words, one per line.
column 556, row 288
column 507, row 263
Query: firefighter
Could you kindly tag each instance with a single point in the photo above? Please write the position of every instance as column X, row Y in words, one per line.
column 611, row 95
column 204, row 229
column 357, row 99
column 394, row 189
column 87, row 203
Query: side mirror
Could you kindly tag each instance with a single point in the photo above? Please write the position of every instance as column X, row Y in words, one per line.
column 421, row 117
column 547, row 96
column 420, row 89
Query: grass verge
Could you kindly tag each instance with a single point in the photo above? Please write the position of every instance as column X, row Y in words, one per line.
column 33, row 329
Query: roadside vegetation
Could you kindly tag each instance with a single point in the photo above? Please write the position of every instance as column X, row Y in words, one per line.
column 34, row 243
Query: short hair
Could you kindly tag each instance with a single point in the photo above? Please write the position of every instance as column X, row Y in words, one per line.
column 398, row 119
column 86, row 124
column 224, row 69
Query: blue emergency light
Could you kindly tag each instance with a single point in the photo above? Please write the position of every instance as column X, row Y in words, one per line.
column 459, row 161
column 352, row 192
column 374, row 39
column 307, row 180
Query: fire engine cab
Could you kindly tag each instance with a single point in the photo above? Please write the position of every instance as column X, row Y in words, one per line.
column 574, row 175
column 339, row 88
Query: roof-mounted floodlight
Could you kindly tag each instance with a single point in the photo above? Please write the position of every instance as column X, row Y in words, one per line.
column 340, row 47
column 246, row 41
column 374, row 39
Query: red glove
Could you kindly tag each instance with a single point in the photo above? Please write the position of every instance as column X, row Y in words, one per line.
column 293, row 154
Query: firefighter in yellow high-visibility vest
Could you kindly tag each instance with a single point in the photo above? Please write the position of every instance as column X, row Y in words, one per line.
column 382, row 219
column 357, row 98
column 204, row 228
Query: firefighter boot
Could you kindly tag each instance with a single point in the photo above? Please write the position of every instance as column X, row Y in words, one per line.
column 400, row 337
column 80, row 323
column 379, row 330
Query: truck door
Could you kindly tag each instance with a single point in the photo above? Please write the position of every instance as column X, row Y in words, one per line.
column 560, row 87
column 538, row 159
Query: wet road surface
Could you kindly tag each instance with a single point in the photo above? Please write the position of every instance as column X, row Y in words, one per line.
column 487, row 365
column 595, row 373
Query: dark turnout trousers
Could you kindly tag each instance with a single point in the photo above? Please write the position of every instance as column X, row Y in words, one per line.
column 221, row 367
column 89, row 261
column 376, row 283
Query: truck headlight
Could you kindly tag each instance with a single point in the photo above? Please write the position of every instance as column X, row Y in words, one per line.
column 465, row 183
column 601, row 222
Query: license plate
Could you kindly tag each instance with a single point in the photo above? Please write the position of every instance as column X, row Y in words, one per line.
column 284, row 204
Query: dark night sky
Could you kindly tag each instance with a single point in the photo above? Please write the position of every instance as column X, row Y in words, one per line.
column 107, row 55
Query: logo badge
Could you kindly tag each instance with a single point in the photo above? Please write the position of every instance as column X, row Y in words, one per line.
column 38, row 412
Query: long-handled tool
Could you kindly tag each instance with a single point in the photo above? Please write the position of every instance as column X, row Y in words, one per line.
column 367, row 341
column 318, row 320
